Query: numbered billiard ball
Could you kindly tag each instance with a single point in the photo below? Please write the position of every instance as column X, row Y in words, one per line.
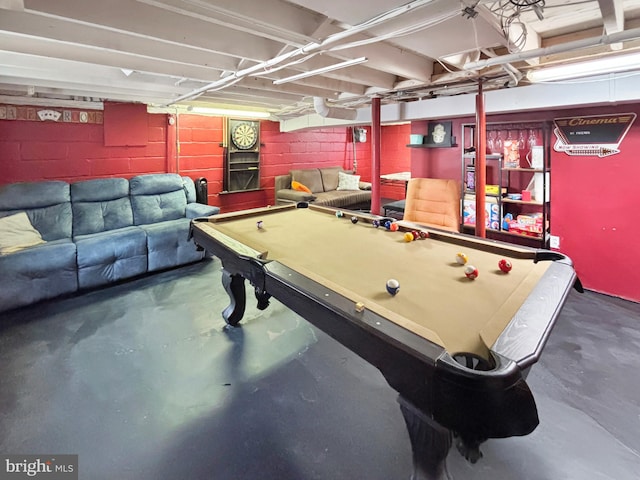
column 394, row 227
column 471, row 272
column 339, row 214
column 393, row 286
column 375, row 223
column 423, row 234
column 505, row 265
column 259, row 224
column 354, row 220
column 461, row 258
column 408, row 237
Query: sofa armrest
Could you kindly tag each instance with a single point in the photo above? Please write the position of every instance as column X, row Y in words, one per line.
column 294, row 195
column 364, row 185
column 195, row 210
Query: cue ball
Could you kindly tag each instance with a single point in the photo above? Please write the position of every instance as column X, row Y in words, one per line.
column 471, row 272
column 259, row 224
column 505, row 265
column 393, row 286
column 461, row 258
column 354, row 220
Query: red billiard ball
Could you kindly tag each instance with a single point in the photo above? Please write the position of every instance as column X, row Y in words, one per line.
column 423, row 234
column 394, row 227
column 505, row 265
column 471, row 272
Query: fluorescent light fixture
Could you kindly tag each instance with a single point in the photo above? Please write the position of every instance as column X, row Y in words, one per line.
column 229, row 112
column 320, row 71
column 612, row 64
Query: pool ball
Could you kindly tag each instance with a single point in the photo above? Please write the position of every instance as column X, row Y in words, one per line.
column 461, row 258
column 505, row 265
column 387, row 224
column 415, row 234
column 423, row 235
column 408, row 237
column 339, row 214
column 394, row 227
column 471, row 272
column 354, row 220
column 376, row 223
column 259, row 224
column 393, row 286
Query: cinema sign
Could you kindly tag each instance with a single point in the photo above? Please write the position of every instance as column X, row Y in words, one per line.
column 597, row 135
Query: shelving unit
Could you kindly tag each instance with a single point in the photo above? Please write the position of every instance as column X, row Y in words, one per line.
column 242, row 166
column 509, row 180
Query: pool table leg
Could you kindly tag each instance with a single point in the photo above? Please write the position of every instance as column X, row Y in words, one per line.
column 430, row 442
column 234, row 286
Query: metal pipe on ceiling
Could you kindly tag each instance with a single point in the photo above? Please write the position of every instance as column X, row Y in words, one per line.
column 617, row 37
column 309, row 48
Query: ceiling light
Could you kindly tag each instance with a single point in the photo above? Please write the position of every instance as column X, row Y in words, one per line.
column 229, row 112
column 612, row 64
column 320, row 71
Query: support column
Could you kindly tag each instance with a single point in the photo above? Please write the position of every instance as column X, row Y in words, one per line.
column 376, row 134
column 481, row 163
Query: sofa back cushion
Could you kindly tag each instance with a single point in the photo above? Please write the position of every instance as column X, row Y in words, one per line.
column 157, row 198
column 310, row 178
column 330, row 178
column 100, row 205
column 47, row 204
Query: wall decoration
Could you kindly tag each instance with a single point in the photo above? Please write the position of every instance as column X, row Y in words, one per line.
column 439, row 135
column 46, row 114
column 596, row 135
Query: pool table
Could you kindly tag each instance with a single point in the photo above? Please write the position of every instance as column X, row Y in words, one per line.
column 457, row 350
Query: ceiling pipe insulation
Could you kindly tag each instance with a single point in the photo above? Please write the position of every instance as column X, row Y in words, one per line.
column 326, row 111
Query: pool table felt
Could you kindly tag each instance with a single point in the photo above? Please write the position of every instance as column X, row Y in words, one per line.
column 435, row 301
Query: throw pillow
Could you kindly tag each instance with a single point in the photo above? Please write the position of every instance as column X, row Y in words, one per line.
column 348, row 182
column 299, row 187
column 16, row 233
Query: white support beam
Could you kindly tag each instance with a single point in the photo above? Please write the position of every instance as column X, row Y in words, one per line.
column 612, row 18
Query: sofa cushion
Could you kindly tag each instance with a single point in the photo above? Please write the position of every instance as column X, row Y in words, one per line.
column 157, row 198
column 110, row 256
column 348, row 182
column 100, row 205
column 168, row 245
column 17, row 233
column 38, row 273
column 47, row 204
column 330, row 178
column 309, row 177
column 344, row 199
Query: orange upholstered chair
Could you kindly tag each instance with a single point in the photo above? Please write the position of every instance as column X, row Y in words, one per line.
column 433, row 202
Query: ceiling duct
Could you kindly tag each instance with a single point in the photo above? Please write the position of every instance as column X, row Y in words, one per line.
column 326, row 111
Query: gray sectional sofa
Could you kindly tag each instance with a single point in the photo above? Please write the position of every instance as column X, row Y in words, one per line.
column 96, row 232
column 323, row 183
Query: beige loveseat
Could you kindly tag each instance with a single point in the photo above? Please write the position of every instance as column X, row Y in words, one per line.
column 323, row 183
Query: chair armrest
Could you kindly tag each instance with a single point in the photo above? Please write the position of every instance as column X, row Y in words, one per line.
column 195, row 210
column 294, row 195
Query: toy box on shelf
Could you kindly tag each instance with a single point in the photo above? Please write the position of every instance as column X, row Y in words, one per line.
column 529, row 225
column 492, row 211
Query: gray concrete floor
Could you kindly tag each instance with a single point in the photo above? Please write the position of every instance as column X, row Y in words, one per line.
column 143, row 381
